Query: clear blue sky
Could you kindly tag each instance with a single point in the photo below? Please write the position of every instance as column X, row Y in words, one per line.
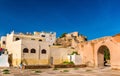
column 93, row 18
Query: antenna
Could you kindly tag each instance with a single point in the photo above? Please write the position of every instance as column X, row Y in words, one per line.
column 11, row 28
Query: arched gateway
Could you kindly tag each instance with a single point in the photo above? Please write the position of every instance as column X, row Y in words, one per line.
column 103, row 56
column 95, row 53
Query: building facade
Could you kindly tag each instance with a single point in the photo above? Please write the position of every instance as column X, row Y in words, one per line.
column 31, row 49
column 38, row 49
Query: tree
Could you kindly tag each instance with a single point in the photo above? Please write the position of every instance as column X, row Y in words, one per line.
column 106, row 54
column 63, row 35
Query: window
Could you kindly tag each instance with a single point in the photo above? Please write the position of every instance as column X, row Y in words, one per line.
column 43, row 35
column 43, row 51
column 33, row 51
column 4, row 42
column 40, row 39
column 17, row 39
column 25, row 50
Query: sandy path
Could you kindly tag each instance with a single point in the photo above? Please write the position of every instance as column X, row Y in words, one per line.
column 62, row 72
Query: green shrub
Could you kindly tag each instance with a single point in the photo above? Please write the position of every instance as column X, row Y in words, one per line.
column 106, row 54
column 66, row 62
column 65, row 70
column 63, row 35
column 38, row 71
column 74, row 52
column 71, row 62
column 76, row 68
column 55, row 68
column 6, row 71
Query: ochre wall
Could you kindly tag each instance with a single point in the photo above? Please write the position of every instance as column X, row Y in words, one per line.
column 60, row 54
column 117, row 37
column 89, row 51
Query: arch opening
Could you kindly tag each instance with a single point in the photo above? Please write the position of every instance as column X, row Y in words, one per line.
column 25, row 50
column 103, row 56
column 17, row 39
column 43, row 51
column 33, row 50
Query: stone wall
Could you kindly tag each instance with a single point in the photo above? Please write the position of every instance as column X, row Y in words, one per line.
column 60, row 54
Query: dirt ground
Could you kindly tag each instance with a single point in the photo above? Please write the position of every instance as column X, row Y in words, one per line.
column 60, row 72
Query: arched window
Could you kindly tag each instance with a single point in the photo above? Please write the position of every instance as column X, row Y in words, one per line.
column 4, row 42
column 25, row 50
column 17, row 39
column 33, row 51
column 43, row 51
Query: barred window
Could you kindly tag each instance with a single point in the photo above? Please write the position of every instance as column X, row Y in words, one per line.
column 33, row 51
column 25, row 50
column 17, row 39
column 43, row 51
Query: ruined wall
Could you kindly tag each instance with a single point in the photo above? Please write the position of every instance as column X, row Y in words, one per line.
column 60, row 54
column 86, row 52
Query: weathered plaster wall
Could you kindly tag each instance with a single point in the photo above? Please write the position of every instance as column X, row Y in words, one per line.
column 89, row 51
column 38, row 57
column 60, row 54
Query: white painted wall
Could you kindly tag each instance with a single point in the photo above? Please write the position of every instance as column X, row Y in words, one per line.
column 4, row 61
column 76, row 59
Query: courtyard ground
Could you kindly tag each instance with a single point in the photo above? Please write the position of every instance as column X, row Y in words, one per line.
column 60, row 72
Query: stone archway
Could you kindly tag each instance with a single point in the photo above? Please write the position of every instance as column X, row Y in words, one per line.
column 103, row 56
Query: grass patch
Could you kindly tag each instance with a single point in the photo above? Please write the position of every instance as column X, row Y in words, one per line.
column 66, row 62
column 76, row 68
column 65, row 70
column 55, row 68
column 6, row 71
column 38, row 71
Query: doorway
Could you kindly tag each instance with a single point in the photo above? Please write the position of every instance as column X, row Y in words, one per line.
column 51, row 60
column 103, row 56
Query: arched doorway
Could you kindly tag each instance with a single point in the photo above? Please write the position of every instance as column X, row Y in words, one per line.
column 103, row 56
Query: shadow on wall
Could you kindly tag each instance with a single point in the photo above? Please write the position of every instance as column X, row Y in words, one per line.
column 88, row 63
column 10, row 59
column 24, row 62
